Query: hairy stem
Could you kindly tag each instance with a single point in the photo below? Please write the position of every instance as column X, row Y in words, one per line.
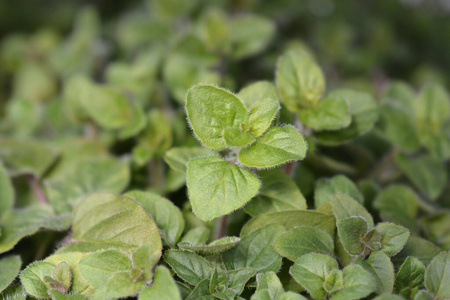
column 36, row 187
column 222, row 227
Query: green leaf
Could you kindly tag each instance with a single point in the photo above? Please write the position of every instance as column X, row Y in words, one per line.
column 14, row 292
column 379, row 265
column 345, row 207
column 214, row 247
column 201, row 291
column 98, row 267
column 90, row 174
column 196, row 236
column 435, row 227
column 107, row 106
column 250, row 35
column 217, row 187
column 56, row 295
column 300, row 82
column 326, row 188
column 432, row 108
column 423, row 295
column 261, row 295
column 261, row 115
column 238, row 278
column 310, row 272
column 10, row 267
column 256, row 251
column 79, row 284
column 6, row 191
column 426, row 172
column 109, row 218
column 218, row 282
column 398, row 124
column 328, row 114
column 19, row 223
column 166, row 215
column 393, row 238
column 26, row 156
column 397, row 203
column 163, row 287
column 372, row 240
column 189, row 266
column 136, row 124
column 418, row 247
column 210, row 110
column 302, row 240
column 277, row 146
column 214, row 31
column 32, row 278
column 61, row 272
column 351, row 231
column 364, row 110
column 291, row 296
column 291, row 219
column 178, row 157
column 120, row 285
column 358, row 283
column 334, row 281
column 256, row 92
column 270, row 282
column 143, row 261
column 409, row 279
column 278, row 193
column 437, row 276
column 237, row 137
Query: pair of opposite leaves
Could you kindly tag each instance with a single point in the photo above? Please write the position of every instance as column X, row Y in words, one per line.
column 221, row 120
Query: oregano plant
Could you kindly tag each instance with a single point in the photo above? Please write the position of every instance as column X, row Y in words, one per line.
column 201, row 150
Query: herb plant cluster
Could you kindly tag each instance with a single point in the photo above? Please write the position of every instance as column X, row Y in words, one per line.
column 137, row 161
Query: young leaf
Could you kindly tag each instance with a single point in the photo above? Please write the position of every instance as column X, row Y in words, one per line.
column 426, row 172
column 379, row 265
column 290, row 219
column 163, row 287
column 10, row 267
column 178, row 157
column 98, row 267
column 326, row 188
column 62, row 273
column 201, row 291
column 142, row 261
column 299, row 80
column 256, row 92
column 278, row 193
column 409, row 279
column 166, row 215
column 6, row 191
column 256, row 251
column 397, row 203
column 217, row 187
column 351, row 231
column 302, row 240
column 120, row 285
column 32, row 278
column 189, row 266
column 364, row 110
column 214, row 247
column 393, row 238
column 210, row 110
column 345, row 207
column 328, row 114
column 358, row 283
column 310, row 272
column 437, row 276
column 277, row 146
column 261, row 115
column 106, row 217
column 270, row 282
column 237, row 137
column 334, row 281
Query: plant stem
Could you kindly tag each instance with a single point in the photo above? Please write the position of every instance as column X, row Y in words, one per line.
column 288, row 168
column 384, row 164
column 222, row 227
column 36, row 187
